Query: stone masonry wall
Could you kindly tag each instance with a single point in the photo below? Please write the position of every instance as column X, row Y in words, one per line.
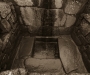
column 9, row 30
column 81, row 35
column 49, row 17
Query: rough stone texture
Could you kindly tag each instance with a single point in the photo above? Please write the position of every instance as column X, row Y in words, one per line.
column 19, row 71
column 87, row 17
column 64, row 30
column 4, row 9
column 70, row 20
column 56, row 16
column 29, row 15
column 32, row 17
column 5, row 26
column 56, row 4
column 63, row 21
column 44, row 65
column 85, row 27
column 70, row 55
column 74, row 6
column 25, row 2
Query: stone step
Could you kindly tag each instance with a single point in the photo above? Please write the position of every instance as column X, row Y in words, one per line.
column 44, row 65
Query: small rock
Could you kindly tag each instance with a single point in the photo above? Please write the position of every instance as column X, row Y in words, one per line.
column 70, row 20
column 5, row 26
column 85, row 27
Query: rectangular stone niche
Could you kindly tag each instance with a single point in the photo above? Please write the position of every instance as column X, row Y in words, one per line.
column 46, row 48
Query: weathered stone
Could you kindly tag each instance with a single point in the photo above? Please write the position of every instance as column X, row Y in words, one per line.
column 63, row 21
column 39, row 16
column 5, row 26
column 44, row 65
column 56, row 16
column 70, row 20
column 29, row 15
column 64, row 30
column 25, row 2
column 4, row 9
column 26, row 47
column 85, row 27
column 19, row 71
column 22, row 71
column 87, row 17
column 74, row 6
column 70, row 55
column 55, row 4
column 40, row 3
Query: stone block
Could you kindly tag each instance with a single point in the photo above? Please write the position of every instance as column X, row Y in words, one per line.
column 29, row 15
column 25, row 2
column 70, row 55
column 64, row 30
column 85, row 27
column 44, row 65
column 55, row 4
column 74, row 6
column 4, row 9
column 70, row 20
column 5, row 26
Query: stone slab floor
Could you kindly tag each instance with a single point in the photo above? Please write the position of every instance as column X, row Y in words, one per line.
column 39, row 59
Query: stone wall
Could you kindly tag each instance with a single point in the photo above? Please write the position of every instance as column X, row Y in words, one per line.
column 49, row 17
column 9, row 31
column 81, row 35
